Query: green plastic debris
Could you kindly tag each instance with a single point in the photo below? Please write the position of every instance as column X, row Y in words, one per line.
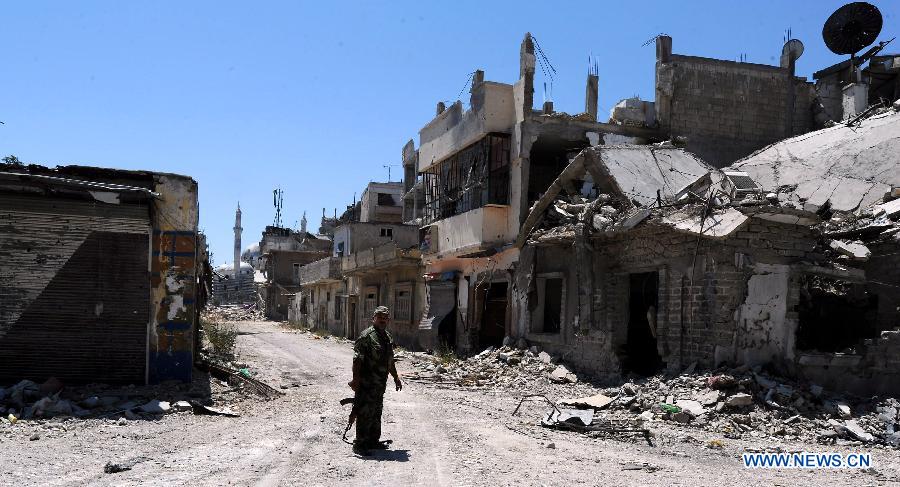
column 670, row 408
column 245, row 372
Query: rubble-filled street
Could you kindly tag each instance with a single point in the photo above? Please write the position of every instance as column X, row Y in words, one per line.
column 452, row 424
column 408, row 243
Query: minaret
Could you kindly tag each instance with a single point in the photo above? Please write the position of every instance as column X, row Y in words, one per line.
column 237, row 251
column 303, row 224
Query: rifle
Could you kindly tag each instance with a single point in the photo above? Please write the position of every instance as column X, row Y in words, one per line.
column 352, row 418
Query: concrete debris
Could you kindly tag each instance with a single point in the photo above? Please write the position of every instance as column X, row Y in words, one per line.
column 156, row 407
column 597, row 401
column 739, row 400
column 854, row 250
column 733, row 402
column 562, row 375
column 503, row 367
column 690, row 406
column 234, row 312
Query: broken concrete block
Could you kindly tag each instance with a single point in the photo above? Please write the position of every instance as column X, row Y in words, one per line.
column 693, row 407
column 855, row 251
column 857, row 431
column 562, row 375
column 597, row 401
column 721, row 382
column 843, row 410
column 647, row 415
column 889, row 209
column 739, row 400
column 682, row 417
column 156, row 407
column 635, row 218
column 601, row 222
column 545, row 357
column 709, row 398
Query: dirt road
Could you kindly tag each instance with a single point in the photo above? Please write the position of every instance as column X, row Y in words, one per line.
column 441, row 437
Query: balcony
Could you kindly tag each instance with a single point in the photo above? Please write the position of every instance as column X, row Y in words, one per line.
column 385, row 255
column 327, row 269
column 454, row 129
column 472, row 232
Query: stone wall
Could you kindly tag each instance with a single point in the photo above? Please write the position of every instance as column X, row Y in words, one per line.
column 729, row 109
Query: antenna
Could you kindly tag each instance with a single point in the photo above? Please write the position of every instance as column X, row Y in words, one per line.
column 278, row 199
column 852, row 27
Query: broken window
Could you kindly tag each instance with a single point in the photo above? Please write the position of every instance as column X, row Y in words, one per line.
column 387, row 232
column 548, row 315
column 339, row 249
column 835, row 315
column 403, row 302
column 296, row 272
column 337, row 307
column 312, row 297
column 386, row 199
column 475, row 176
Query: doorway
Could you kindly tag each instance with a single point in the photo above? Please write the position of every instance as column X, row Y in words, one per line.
column 493, row 319
column 641, row 354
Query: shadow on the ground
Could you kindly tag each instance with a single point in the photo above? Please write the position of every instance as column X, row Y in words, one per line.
column 388, row 455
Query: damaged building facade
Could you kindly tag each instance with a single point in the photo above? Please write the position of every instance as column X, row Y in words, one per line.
column 374, row 261
column 786, row 259
column 283, row 252
column 102, row 275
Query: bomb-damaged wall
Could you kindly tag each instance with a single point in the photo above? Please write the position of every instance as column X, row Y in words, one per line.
column 173, row 274
column 715, row 302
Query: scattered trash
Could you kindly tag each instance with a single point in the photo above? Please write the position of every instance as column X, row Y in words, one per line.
column 577, row 417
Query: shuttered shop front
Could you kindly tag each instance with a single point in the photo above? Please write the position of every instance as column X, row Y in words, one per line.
column 74, row 290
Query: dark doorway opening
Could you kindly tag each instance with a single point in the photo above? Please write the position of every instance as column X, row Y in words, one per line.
column 641, row 355
column 447, row 331
column 493, row 319
column 835, row 316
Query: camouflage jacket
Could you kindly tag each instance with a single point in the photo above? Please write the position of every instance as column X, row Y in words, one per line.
column 376, row 354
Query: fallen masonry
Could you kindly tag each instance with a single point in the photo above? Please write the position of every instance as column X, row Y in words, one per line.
column 734, row 402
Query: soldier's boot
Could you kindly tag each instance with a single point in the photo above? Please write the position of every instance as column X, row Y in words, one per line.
column 361, row 450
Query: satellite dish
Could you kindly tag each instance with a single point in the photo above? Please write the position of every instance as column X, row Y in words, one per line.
column 794, row 48
column 852, row 27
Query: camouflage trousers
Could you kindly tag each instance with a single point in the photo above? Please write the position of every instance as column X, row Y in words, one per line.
column 368, row 416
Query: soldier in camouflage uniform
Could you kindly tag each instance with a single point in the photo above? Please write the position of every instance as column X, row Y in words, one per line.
column 373, row 360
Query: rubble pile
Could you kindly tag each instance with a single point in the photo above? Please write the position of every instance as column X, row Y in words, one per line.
column 742, row 402
column 28, row 400
column 736, row 403
column 503, row 368
column 567, row 211
column 234, row 312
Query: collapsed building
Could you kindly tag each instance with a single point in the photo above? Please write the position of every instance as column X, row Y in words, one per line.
column 787, row 259
column 103, row 274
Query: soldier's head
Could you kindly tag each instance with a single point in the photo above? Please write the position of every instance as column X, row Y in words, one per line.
column 380, row 317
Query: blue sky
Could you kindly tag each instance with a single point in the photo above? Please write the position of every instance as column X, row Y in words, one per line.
column 316, row 97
